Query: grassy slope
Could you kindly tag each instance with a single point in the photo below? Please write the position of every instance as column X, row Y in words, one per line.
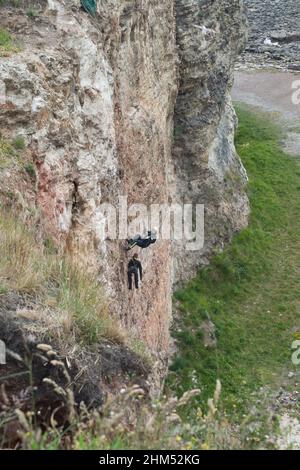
column 251, row 291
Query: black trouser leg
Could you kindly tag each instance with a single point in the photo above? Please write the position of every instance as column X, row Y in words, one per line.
column 130, row 280
column 136, row 278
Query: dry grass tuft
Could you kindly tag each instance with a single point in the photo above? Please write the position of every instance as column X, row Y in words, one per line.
column 22, row 263
column 128, row 421
column 69, row 301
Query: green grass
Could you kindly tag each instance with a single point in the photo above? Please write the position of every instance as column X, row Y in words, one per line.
column 8, row 154
column 32, row 12
column 251, row 290
column 7, row 43
column 30, row 170
column 11, row 156
column 14, row 3
column 19, row 143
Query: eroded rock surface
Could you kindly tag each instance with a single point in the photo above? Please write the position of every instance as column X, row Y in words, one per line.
column 94, row 99
column 207, row 169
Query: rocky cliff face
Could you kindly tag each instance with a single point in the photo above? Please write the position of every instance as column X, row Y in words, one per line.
column 94, row 98
column 207, row 169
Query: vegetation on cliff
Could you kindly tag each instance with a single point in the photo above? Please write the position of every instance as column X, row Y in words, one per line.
column 69, row 302
column 7, row 43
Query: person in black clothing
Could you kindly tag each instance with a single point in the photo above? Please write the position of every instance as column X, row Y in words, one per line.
column 142, row 242
column 134, row 269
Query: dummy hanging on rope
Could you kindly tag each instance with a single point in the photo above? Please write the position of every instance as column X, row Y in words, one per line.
column 90, row 6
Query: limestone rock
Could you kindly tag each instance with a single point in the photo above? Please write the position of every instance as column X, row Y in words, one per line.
column 206, row 166
column 209, row 334
column 94, row 99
